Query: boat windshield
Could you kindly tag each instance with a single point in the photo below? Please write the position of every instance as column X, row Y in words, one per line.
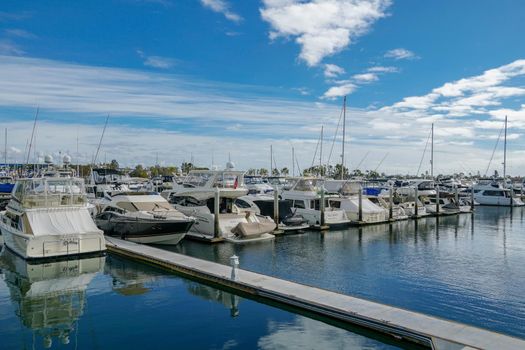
column 221, row 179
column 6, row 180
column 253, row 180
column 277, row 181
column 50, row 192
column 144, row 206
column 310, row 185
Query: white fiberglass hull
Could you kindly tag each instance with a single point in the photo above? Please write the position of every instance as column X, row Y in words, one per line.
column 168, row 239
column 46, row 246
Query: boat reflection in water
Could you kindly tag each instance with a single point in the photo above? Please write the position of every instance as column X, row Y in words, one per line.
column 49, row 297
column 230, row 301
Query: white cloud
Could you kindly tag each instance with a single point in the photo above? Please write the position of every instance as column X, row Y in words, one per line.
column 365, row 77
column 7, row 47
column 332, row 70
column 159, row 62
column 400, row 54
column 19, row 33
column 339, row 91
column 322, row 27
column 382, row 69
column 221, row 6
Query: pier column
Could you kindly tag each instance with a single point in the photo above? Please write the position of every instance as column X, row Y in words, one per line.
column 415, row 201
column 472, row 198
column 391, row 201
column 456, row 195
column 216, row 209
column 321, row 206
column 437, row 200
column 360, row 203
column 276, row 206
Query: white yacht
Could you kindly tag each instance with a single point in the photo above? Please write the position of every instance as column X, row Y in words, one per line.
column 49, row 217
column 305, row 197
column 289, row 220
column 196, row 197
column 424, row 188
column 349, row 202
column 493, row 193
column 143, row 217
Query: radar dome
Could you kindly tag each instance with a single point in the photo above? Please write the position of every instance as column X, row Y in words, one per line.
column 48, row 159
column 66, row 159
column 230, row 165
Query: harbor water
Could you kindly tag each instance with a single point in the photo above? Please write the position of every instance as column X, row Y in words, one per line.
column 467, row 268
column 108, row 302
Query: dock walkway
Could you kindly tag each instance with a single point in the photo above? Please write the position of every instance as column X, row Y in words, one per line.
column 430, row 331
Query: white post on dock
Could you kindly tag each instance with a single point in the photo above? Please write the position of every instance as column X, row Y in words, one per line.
column 416, row 207
column 216, row 210
column 437, row 199
column 360, row 203
column 234, row 262
column 276, row 206
column 321, row 206
column 456, row 195
column 391, row 200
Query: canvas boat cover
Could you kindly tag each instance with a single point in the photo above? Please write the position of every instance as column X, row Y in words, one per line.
column 61, row 221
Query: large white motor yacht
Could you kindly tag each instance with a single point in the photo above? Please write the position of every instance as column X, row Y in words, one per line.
column 305, row 197
column 49, row 217
column 493, row 193
column 196, row 197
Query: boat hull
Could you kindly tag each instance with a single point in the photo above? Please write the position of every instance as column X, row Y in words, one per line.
column 48, row 246
column 146, row 231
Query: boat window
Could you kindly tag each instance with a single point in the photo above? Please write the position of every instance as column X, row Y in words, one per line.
column 335, row 204
column 242, row 204
column 128, row 206
column 152, row 206
column 298, row 204
column 494, row 193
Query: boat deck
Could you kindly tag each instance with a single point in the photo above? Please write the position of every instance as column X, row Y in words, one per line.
column 430, row 331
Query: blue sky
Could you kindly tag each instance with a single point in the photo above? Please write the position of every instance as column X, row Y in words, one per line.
column 183, row 78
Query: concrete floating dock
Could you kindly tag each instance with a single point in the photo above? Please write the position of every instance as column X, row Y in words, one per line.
column 429, row 331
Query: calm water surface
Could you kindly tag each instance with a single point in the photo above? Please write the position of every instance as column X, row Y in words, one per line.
column 464, row 268
column 111, row 303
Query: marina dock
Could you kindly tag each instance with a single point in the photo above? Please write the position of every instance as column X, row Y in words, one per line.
column 432, row 332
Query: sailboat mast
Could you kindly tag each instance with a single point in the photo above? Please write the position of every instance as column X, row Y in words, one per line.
column 5, row 149
column 321, row 153
column 344, row 132
column 32, row 135
column 432, row 153
column 293, row 162
column 271, row 160
column 505, row 151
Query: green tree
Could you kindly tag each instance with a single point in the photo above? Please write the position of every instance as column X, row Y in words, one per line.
column 251, row 171
column 139, row 171
column 263, row 172
column 285, row 171
column 186, row 167
column 113, row 165
column 275, row 172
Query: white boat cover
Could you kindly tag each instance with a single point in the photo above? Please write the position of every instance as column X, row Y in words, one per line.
column 352, row 204
column 61, row 221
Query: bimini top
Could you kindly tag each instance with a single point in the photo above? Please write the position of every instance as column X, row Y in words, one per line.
column 50, row 192
column 308, row 184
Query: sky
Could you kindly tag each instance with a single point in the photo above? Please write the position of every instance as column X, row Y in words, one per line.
column 205, row 80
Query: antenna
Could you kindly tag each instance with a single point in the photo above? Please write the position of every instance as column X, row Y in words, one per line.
column 271, row 160
column 5, row 149
column 100, row 142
